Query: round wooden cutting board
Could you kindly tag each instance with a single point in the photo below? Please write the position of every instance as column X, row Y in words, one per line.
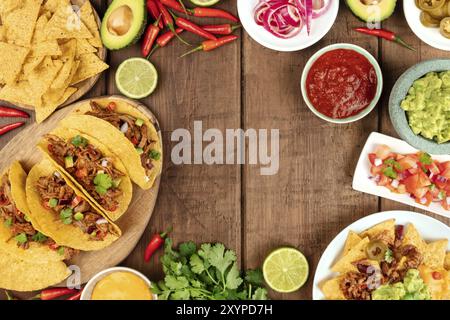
column 86, row 85
column 133, row 223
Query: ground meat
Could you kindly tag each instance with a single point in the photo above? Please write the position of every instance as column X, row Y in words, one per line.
column 354, row 286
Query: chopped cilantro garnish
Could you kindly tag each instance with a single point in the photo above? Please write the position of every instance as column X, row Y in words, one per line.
column 425, row 158
column 388, row 256
column 102, row 183
column 21, row 238
column 66, row 215
column 8, row 222
column 39, row 237
column 432, row 186
column 155, row 155
column 393, row 163
column 79, row 141
column 390, row 173
column 61, row 251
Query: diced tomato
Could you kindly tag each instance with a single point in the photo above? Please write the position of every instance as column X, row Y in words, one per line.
column 407, row 163
column 53, row 246
column 427, row 196
column 111, row 106
column 384, row 181
column 433, row 168
column 424, row 180
column 372, row 157
column 399, row 157
column 446, row 173
column 445, row 205
column 375, row 171
column 81, row 173
column 445, row 165
column 413, row 187
column 76, row 201
column 134, row 140
column 436, row 275
column 382, row 151
column 401, row 188
column 435, row 192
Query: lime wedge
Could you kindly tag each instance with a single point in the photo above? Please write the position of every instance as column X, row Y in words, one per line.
column 204, row 3
column 136, row 78
column 285, row 270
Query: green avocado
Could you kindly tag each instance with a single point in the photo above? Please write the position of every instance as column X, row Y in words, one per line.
column 372, row 10
column 123, row 23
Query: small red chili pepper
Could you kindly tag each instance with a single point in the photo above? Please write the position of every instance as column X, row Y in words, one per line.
column 193, row 28
column 76, row 296
column 53, row 293
column 213, row 13
column 168, row 20
column 385, row 34
column 222, row 29
column 149, row 38
column 210, row 45
column 155, row 243
column 175, row 5
column 164, row 39
column 6, row 112
column 10, row 127
column 153, row 9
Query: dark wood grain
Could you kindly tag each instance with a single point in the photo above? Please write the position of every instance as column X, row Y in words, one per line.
column 245, row 85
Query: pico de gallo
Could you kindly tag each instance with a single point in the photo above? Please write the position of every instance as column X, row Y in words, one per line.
column 426, row 180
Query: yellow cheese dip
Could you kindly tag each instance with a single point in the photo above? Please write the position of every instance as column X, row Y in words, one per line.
column 121, row 286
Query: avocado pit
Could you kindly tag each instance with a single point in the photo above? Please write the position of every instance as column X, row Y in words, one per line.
column 120, row 20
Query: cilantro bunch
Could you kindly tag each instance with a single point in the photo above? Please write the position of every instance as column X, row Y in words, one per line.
column 209, row 273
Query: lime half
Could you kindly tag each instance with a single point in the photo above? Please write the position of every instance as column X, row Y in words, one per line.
column 285, row 270
column 204, row 3
column 136, row 78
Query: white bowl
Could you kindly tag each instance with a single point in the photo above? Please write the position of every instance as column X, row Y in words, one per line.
column 320, row 27
column 429, row 228
column 89, row 288
column 369, row 57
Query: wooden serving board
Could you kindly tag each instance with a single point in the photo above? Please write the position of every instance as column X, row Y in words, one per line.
column 133, row 223
column 84, row 86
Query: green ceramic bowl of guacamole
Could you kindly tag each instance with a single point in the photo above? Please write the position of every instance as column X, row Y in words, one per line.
column 426, row 112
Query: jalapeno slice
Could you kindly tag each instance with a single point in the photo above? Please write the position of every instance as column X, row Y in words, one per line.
column 430, row 4
column 428, row 21
column 445, row 27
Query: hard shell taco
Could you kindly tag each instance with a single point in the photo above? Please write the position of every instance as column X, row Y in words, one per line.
column 63, row 212
column 129, row 133
column 93, row 169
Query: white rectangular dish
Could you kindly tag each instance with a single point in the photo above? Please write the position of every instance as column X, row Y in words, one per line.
column 361, row 181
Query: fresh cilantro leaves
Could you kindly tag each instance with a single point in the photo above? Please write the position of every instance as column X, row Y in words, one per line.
column 102, row 182
column 206, row 273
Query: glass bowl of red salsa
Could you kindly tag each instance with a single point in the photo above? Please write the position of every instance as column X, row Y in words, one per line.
column 342, row 83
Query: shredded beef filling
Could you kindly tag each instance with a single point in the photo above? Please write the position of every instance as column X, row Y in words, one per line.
column 90, row 222
column 138, row 135
column 88, row 161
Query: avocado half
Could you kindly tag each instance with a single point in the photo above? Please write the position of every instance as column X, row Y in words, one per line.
column 123, row 23
column 372, row 10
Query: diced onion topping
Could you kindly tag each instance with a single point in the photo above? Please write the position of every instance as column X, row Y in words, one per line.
column 124, row 127
column 423, row 200
column 378, row 162
column 448, row 200
column 104, row 163
column 395, row 183
column 101, row 221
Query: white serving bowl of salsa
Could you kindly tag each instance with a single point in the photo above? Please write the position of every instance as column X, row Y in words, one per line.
column 362, row 59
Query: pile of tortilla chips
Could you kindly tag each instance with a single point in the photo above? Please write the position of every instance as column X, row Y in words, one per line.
column 47, row 48
column 435, row 259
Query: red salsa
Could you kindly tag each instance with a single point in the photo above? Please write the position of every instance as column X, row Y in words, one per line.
column 341, row 83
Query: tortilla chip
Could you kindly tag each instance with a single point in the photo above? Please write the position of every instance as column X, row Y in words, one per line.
column 412, row 237
column 2, row 34
column 68, row 55
column 438, row 287
column 84, row 47
column 20, row 23
column 447, row 261
column 88, row 18
column 352, row 239
column 47, row 48
column 30, row 64
column 358, row 252
column 6, row 6
column 52, row 6
column 384, row 230
column 331, row 289
column 20, row 275
column 51, row 101
column 12, row 58
column 90, row 65
column 39, row 34
column 43, row 75
column 434, row 255
column 20, row 93
column 65, row 24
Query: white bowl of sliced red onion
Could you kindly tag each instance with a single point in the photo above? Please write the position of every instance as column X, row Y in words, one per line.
column 287, row 25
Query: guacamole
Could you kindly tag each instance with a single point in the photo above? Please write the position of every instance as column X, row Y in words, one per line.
column 412, row 288
column 427, row 106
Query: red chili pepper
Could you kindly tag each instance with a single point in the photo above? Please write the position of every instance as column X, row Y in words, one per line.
column 210, row 45
column 162, row 41
column 175, row 5
column 53, row 293
column 222, row 29
column 153, row 9
column 155, row 243
column 385, row 34
column 6, row 112
column 213, row 13
column 10, row 127
column 149, row 38
column 168, row 21
column 193, row 28
column 76, row 296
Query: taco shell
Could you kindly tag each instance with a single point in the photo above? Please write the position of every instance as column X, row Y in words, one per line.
column 125, row 185
column 116, row 140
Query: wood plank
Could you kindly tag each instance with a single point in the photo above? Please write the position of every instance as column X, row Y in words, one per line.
column 397, row 60
column 310, row 200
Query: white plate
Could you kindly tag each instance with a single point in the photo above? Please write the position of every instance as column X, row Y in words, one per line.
column 430, row 229
column 430, row 36
column 319, row 28
column 361, row 181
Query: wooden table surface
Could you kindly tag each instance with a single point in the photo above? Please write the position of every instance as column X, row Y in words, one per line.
column 246, row 86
